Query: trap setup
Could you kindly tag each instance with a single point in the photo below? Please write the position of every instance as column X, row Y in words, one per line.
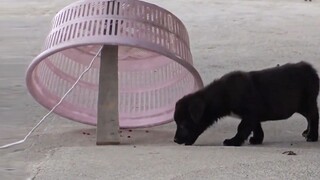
column 144, row 65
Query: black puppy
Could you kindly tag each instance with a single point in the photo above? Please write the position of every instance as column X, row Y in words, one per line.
column 270, row 94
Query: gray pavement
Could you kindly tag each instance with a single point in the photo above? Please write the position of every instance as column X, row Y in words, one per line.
column 225, row 36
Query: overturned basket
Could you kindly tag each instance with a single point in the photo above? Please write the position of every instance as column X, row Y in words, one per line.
column 154, row 61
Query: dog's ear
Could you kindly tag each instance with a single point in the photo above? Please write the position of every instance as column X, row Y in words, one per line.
column 196, row 109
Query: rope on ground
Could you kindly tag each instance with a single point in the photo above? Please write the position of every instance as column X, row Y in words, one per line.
column 62, row 98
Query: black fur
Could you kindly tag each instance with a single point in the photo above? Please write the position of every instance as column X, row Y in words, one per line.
column 270, row 94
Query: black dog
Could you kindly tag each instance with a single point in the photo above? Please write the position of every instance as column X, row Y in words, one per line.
column 271, row 94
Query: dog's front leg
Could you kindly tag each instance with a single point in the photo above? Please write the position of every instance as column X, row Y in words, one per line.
column 245, row 128
column 258, row 135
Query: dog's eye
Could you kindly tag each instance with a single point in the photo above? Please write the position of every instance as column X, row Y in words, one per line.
column 180, row 125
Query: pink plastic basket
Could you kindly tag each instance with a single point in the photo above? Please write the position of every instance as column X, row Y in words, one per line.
column 155, row 62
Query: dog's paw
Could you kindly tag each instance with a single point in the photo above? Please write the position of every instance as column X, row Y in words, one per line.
column 254, row 140
column 312, row 138
column 232, row 142
column 305, row 133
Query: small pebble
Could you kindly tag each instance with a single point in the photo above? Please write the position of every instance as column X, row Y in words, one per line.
column 88, row 133
column 289, row 153
column 83, row 133
column 134, row 146
column 130, row 130
column 147, row 131
column 129, row 136
column 9, row 169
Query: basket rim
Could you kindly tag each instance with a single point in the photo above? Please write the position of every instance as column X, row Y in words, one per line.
column 47, row 53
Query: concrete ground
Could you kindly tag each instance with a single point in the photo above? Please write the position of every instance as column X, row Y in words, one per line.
column 225, row 36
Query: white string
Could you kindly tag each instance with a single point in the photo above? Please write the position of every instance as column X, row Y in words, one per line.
column 62, row 98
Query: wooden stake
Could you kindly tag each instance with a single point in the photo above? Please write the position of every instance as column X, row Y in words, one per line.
column 108, row 114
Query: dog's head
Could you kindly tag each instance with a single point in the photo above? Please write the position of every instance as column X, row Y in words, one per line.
column 188, row 115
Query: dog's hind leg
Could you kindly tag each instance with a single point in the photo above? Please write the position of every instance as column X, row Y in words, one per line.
column 258, row 135
column 309, row 105
column 245, row 128
column 312, row 115
column 309, row 109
